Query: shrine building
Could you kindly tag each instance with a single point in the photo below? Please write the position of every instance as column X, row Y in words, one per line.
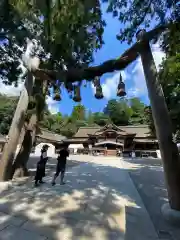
column 126, row 139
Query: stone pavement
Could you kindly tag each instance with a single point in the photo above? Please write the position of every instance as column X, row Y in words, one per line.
column 148, row 178
column 99, row 201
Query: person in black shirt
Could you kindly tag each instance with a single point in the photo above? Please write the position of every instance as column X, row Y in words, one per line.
column 41, row 165
column 61, row 165
column 44, row 157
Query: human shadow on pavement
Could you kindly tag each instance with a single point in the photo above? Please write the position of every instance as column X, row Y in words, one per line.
column 90, row 206
column 50, row 166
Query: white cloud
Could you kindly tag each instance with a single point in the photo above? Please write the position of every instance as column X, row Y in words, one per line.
column 109, row 87
column 139, row 88
column 10, row 90
column 135, row 78
column 52, row 105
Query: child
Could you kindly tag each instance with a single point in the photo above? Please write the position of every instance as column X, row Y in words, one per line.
column 61, row 165
column 41, row 165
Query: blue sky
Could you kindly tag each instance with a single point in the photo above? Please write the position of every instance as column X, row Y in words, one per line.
column 133, row 75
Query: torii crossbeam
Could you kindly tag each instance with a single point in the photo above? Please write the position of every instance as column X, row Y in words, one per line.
column 89, row 73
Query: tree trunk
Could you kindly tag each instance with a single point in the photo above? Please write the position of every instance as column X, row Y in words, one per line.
column 168, row 148
column 15, row 130
column 19, row 168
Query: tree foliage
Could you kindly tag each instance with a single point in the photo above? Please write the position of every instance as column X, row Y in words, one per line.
column 68, row 32
column 140, row 13
column 78, row 113
column 7, row 108
column 170, row 79
column 149, row 120
column 137, row 111
column 100, row 118
column 122, row 112
column 118, row 111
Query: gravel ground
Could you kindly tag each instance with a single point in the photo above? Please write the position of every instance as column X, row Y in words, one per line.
column 148, row 177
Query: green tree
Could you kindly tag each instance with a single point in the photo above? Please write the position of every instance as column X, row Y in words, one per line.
column 69, row 31
column 90, row 118
column 118, row 111
column 137, row 111
column 149, row 120
column 7, row 108
column 58, row 123
column 69, row 129
column 140, row 13
column 101, row 119
column 48, row 122
column 169, row 76
column 78, row 113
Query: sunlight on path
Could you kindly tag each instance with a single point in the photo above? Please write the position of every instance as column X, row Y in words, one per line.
column 98, row 201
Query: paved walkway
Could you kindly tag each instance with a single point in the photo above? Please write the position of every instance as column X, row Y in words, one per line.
column 148, row 178
column 99, row 201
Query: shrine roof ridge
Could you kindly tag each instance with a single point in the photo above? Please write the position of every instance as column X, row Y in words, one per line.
column 120, row 126
column 141, row 131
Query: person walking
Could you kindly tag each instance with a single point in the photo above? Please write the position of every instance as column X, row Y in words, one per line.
column 61, row 165
column 41, row 166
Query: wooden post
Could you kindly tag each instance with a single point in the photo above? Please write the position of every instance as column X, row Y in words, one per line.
column 19, row 168
column 15, row 129
column 32, row 63
column 168, row 148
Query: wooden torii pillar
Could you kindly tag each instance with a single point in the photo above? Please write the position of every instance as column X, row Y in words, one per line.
column 168, row 148
column 15, row 130
column 18, row 120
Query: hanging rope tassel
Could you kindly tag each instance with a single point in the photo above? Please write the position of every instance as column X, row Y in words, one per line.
column 99, row 93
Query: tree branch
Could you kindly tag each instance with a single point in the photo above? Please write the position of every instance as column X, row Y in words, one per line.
column 78, row 74
column 89, row 73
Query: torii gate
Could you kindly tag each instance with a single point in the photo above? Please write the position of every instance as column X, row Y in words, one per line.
column 168, row 148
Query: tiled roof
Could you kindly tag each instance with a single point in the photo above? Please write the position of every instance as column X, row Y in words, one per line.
column 47, row 135
column 42, row 134
column 85, row 131
column 141, row 131
column 123, row 133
